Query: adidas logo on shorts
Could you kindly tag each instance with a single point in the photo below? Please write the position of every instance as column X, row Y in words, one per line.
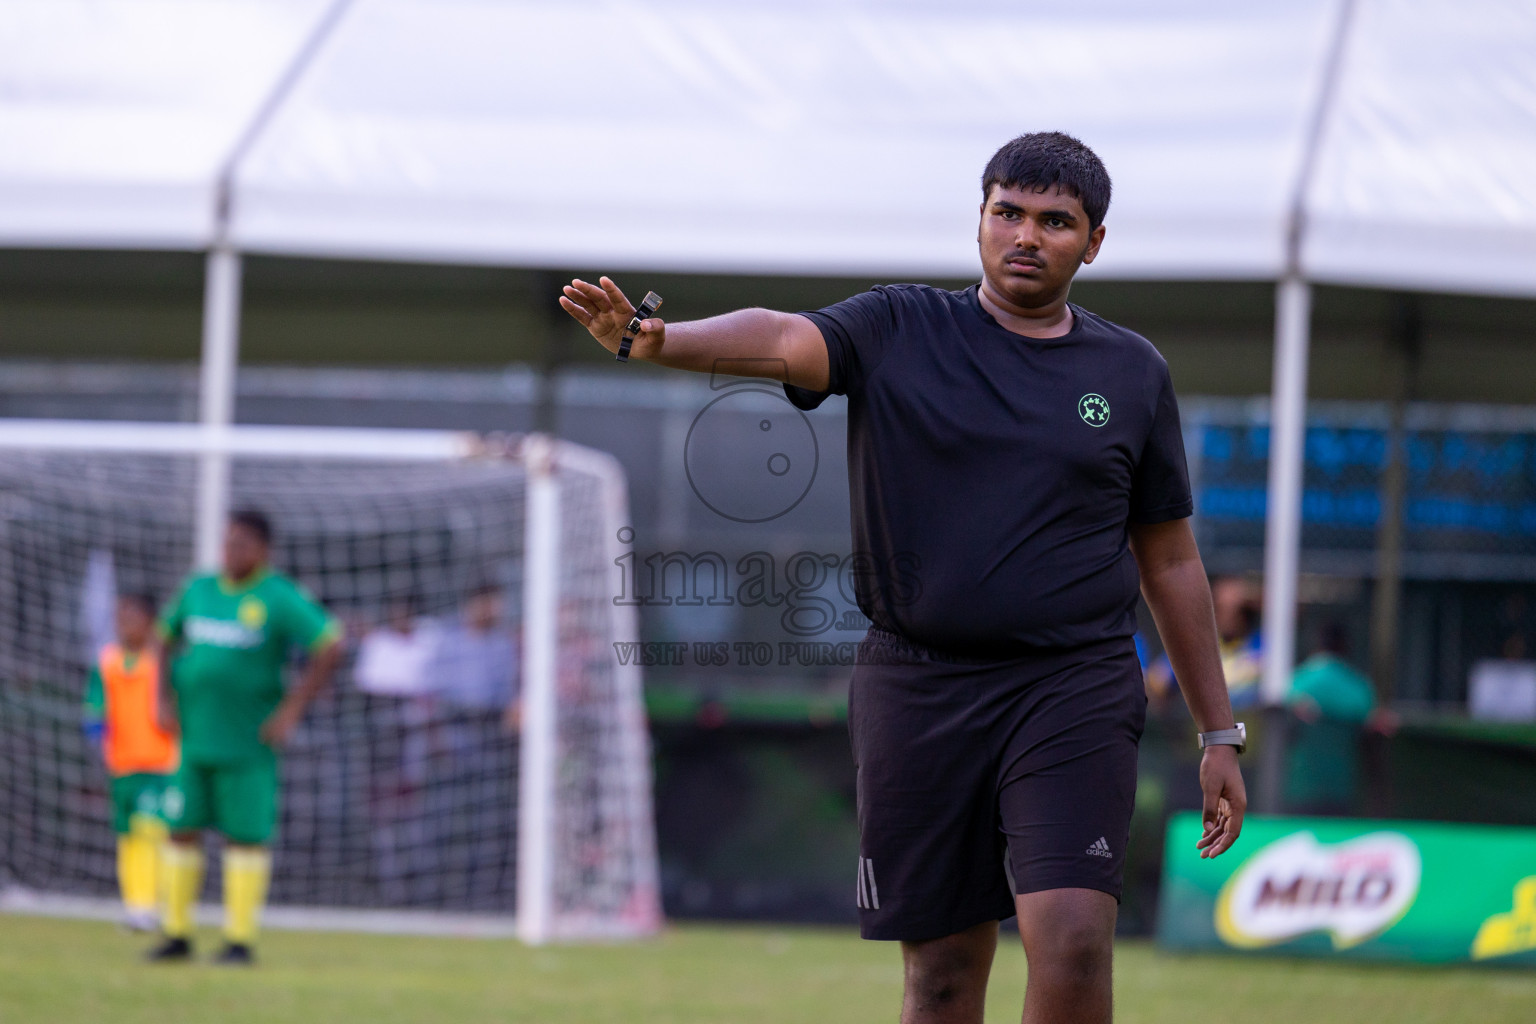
column 1100, row 848
column 868, row 894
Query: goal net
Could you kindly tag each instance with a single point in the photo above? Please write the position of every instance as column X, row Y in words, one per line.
column 467, row 587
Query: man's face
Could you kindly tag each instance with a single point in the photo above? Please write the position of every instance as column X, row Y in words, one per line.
column 134, row 623
column 402, row 617
column 483, row 611
column 244, row 551
column 1033, row 242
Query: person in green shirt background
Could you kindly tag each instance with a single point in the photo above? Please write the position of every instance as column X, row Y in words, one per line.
column 1333, row 703
column 230, row 636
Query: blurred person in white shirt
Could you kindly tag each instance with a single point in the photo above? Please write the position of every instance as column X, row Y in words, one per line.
column 395, row 660
column 395, row 663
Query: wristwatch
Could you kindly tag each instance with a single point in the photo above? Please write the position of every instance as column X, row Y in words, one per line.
column 648, row 307
column 1237, row 737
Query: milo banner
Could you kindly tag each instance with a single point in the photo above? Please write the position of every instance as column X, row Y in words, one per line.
column 1371, row 890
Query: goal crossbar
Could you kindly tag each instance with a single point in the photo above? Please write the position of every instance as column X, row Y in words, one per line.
column 249, row 440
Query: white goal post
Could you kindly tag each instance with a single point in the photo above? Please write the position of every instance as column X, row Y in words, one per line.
column 548, row 904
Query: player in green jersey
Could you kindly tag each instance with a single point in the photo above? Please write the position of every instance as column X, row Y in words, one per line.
column 231, row 635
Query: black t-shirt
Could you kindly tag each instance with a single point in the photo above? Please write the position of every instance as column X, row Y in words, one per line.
column 993, row 476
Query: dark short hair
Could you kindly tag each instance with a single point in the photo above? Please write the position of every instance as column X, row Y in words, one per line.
column 1042, row 159
column 408, row 601
column 255, row 521
column 483, row 588
column 144, row 602
column 1335, row 639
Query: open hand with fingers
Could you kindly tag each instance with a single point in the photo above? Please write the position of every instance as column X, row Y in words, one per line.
column 1225, row 800
column 604, row 311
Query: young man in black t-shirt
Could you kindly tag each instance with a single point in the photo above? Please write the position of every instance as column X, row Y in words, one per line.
column 1020, row 460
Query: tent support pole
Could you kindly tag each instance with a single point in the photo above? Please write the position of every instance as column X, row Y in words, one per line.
column 1386, row 596
column 221, row 308
column 216, row 399
column 1282, row 534
column 1287, row 439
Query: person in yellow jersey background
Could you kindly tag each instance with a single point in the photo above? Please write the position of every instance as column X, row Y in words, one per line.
column 123, row 715
column 233, row 633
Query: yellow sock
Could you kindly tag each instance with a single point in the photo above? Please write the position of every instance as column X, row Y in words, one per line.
column 182, row 876
column 138, row 863
column 129, row 879
column 247, row 870
column 133, row 860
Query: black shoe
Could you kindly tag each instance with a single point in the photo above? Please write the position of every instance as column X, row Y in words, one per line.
column 171, row 951
column 235, row 954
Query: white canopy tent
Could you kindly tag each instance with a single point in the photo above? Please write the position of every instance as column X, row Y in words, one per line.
column 1370, row 142
column 118, row 117
column 1426, row 176
column 842, row 137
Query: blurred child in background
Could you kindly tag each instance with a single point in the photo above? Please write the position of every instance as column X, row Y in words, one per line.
column 122, row 715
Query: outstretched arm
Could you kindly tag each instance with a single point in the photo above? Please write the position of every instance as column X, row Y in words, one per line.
column 761, row 342
column 1173, row 582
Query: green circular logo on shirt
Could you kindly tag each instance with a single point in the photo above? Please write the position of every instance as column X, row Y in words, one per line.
column 1094, row 409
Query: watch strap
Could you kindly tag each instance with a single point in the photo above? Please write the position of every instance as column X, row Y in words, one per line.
column 1235, row 737
column 648, row 307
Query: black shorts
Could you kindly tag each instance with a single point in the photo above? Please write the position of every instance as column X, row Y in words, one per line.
column 981, row 780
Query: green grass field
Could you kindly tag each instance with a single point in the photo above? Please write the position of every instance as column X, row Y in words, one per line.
column 61, row 972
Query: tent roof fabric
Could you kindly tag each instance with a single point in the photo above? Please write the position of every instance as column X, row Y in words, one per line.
column 1427, row 174
column 839, row 136
column 116, row 116
column 832, row 137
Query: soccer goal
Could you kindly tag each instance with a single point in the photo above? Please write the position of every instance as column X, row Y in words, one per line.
column 418, row 802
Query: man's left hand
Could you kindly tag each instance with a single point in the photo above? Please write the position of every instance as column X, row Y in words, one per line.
column 280, row 725
column 1225, row 800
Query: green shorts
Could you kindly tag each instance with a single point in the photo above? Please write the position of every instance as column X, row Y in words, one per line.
column 133, row 796
column 239, row 799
